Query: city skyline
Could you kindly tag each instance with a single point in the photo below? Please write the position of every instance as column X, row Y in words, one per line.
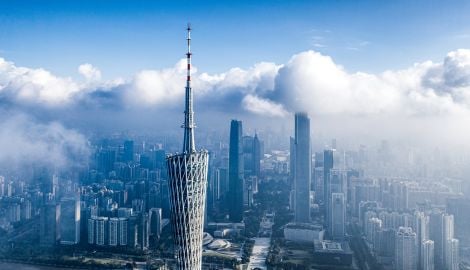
column 411, row 98
column 285, row 135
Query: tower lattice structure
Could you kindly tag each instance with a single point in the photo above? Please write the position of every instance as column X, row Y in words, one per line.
column 187, row 173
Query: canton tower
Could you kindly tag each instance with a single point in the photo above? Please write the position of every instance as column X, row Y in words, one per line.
column 187, row 184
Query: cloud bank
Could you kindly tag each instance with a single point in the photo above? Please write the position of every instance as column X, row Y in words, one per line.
column 309, row 81
column 25, row 142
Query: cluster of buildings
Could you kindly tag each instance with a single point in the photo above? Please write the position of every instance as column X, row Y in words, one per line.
column 406, row 223
column 130, row 192
column 421, row 240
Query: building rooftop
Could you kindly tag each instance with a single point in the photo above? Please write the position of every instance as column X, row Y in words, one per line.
column 328, row 246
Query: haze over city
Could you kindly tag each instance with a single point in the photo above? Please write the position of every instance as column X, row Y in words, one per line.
column 93, row 95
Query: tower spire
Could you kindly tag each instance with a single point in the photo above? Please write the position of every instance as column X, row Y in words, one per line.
column 188, row 143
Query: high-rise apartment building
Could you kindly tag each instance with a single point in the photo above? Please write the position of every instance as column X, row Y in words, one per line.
column 452, row 254
column 447, row 236
column 427, row 255
column 421, row 227
column 405, row 249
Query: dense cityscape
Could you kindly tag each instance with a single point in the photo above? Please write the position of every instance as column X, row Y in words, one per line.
column 269, row 205
column 251, row 205
column 237, row 192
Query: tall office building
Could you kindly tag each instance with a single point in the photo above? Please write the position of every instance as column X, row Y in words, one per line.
column 49, row 225
column 405, row 249
column 70, row 220
column 427, row 255
column 128, row 154
column 235, row 171
column 251, row 155
column 327, row 166
column 338, row 215
column 436, row 228
column 257, row 156
column 187, row 173
column 303, row 168
column 336, row 184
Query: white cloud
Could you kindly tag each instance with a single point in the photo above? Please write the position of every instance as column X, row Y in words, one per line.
column 156, row 87
column 90, row 72
column 151, row 87
column 261, row 106
column 314, row 82
column 34, row 85
column 24, row 142
column 309, row 81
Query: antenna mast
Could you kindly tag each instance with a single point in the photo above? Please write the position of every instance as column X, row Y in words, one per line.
column 188, row 144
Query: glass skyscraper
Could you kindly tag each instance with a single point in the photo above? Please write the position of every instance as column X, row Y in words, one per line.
column 303, row 168
column 236, row 172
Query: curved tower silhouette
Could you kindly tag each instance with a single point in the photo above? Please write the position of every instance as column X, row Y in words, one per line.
column 187, row 184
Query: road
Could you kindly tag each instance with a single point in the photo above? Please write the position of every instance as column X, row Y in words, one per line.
column 260, row 252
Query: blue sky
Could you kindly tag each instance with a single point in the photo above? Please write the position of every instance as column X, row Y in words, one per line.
column 123, row 37
column 312, row 52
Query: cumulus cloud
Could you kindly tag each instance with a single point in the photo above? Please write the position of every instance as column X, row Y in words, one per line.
column 263, row 106
column 25, row 85
column 150, row 87
column 314, row 82
column 309, row 81
column 90, row 72
column 24, row 142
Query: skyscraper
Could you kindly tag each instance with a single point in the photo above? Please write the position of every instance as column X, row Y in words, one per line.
column 421, row 227
column 452, row 254
column 70, row 220
column 257, row 156
column 327, row 166
column 338, row 215
column 235, row 171
column 128, row 154
column 49, row 223
column 187, row 173
column 427, row 255
column 447, row 236
column 303, row 171
column 155, row 218
column 336, row 184
column 405, row 249
column 251, row 155
column 436, row 228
